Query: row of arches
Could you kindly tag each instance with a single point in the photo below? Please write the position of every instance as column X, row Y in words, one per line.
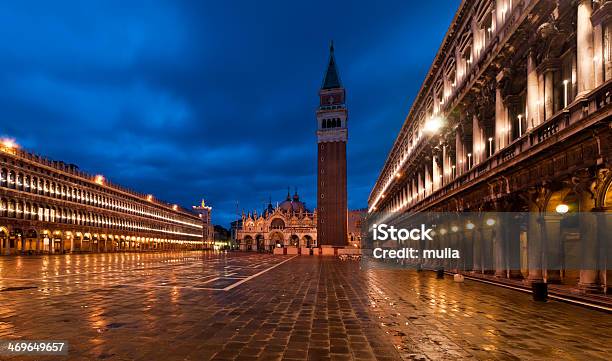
column 15, row 240
column 332, row 123
column 556, row 233
column 92, row 196
column 27, row 210
column 275, row 240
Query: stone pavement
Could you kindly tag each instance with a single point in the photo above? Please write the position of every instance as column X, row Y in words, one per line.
column 200, row 306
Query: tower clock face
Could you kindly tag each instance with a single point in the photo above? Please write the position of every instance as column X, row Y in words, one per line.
column 330, row 99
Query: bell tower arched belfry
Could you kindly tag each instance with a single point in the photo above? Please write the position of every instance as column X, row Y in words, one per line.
column 332, row 135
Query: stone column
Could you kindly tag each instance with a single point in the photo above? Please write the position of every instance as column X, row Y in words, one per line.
column 477, row 251
column 598, row 57
column 513, row 246
column 541, row 116
column 534, row 244
column 436, row 180
column 500, row 246
column 487, row 240
column 532, row 91
column 552, row 224
column 459, row 156
column 589, row 272
column 549, row 107
column 477, row 142
column 584, row 40
column 501, row 120
column 500, row 6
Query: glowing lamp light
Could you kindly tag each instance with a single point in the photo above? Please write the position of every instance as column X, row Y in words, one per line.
column 433, row 125
column 562, row 208
column 443, row 231
column 150, row 197
column 454, row 228
column 175, row 207
column 470, row 225
column 490, row 222
column 8, row 143
column 99, row 179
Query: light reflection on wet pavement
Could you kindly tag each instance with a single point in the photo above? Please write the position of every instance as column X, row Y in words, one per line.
column 441, row 319
column 198, row 306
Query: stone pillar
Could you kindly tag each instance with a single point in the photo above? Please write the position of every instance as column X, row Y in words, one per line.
column 584, row 40
column 532, row 92
column 589, row 272
column 500, row 247
column 513, row 246
column 552, row 224
column 487, row 240
column 436, row 181
column 549, row 106
column 541, row 116
column 478, row 148
column 500, row 14
column 598, row 57
column 453, row 265
column 501, row 120
column 459, row 156
column 477, row 251
column 534, row 244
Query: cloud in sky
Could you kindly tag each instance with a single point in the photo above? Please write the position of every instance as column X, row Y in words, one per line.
column 214, row 100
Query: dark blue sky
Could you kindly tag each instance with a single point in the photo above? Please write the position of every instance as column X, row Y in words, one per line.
column 212, row 99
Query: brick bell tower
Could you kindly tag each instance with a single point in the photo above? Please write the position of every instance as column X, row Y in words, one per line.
column 332, row 134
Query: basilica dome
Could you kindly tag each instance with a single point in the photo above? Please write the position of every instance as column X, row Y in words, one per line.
column 293, row 204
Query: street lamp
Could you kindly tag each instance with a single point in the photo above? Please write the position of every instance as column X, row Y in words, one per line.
column 99, row 179
column 469, row 160
column 562, row 208
column 490, row 146
column 433, row 125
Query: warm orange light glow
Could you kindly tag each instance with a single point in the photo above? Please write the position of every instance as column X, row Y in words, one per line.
column 9, row 143
column 150, row 197
column 99, row 179
column 175, row 207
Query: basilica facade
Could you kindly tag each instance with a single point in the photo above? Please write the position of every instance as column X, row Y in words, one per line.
column 290, row 223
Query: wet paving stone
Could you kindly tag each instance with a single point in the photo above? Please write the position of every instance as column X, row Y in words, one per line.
column 209, row 306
